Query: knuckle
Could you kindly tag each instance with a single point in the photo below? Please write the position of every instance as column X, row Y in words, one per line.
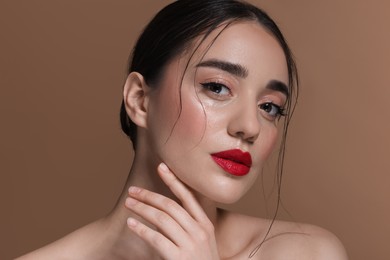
column 156, row 240
column 172, row 183
column 203, row 235
column 171, row 203
column 168, row 203
column 209, row 226
column 142, row 231
column 146, row 195
column 162, row 217
column 175, row 183
column 189, row 195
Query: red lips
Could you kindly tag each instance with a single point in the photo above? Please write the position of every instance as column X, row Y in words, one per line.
column 235, row 162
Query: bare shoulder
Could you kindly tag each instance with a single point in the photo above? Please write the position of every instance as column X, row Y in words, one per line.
column 326, row 245
column 55, row 250
column 287, row 240
column 303, row 241
column 75, row 245
column 64, row 248
column 47, row 252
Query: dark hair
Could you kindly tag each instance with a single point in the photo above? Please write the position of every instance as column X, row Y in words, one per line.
column 173, row 30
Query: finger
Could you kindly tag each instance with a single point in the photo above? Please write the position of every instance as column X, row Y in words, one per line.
column 190, row 203
column 160, row 243
column 164, row 222
column 165, row 206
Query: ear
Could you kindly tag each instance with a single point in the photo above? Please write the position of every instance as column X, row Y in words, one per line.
column 135, row 96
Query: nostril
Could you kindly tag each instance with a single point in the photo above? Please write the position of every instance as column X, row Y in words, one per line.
column 244, row 124
column 248, row 138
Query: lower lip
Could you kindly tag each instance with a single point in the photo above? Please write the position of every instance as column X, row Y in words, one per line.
column 234, row 168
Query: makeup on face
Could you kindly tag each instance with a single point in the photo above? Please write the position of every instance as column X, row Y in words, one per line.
column 219, row 127
column 234, row 162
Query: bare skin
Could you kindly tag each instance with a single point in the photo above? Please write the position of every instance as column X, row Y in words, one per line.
column 110, row 238
column 174, row 215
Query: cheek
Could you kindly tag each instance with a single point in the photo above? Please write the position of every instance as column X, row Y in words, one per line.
column 268, row 142
column 191, row 124
column 176, row 124
column 185, row 134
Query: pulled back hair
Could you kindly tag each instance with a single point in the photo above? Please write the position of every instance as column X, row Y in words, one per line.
column 173, row 30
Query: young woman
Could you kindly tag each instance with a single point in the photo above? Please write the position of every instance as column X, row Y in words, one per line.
column 208, row 84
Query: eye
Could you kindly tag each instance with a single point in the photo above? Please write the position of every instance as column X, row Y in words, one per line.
column 272, row 110
column 216, row 88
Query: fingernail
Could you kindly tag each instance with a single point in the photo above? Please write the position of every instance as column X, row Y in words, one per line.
column 164, row 167
column 134, row 190
column 131, row 222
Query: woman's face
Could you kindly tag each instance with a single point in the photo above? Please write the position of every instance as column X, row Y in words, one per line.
column 231, row 92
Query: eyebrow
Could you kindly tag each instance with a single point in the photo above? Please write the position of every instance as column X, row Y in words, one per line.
column 278, row 86
column 242, row 72
column 232, row 68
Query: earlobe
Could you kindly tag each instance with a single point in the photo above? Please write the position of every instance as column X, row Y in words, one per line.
column 135, row 96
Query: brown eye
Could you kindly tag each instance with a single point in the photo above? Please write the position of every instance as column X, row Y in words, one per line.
column 272, row 109
column 216, row 88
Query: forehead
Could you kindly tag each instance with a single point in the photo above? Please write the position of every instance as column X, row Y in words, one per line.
column 246, row 43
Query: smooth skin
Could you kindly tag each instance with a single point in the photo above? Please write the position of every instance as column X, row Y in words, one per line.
column 168, row 210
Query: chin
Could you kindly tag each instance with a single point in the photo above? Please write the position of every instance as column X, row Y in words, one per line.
column 226, row 201
column 224, row 195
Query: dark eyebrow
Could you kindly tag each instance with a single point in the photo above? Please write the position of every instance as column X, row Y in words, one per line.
column 232, row 68
column 240, row 71
column 278, row 86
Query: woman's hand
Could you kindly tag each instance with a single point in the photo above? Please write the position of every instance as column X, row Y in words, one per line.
column 183, row 232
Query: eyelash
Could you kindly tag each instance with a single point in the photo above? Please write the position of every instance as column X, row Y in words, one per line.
column 279, row 110
column 211, row 86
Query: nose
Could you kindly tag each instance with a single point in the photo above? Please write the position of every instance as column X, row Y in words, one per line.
column 244, row 123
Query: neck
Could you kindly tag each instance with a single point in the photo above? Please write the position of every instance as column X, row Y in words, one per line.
column 143, row 174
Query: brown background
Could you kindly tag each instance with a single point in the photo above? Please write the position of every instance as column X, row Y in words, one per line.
column 63, row 159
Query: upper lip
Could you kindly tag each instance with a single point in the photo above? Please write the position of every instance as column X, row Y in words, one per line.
column 235, row 155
